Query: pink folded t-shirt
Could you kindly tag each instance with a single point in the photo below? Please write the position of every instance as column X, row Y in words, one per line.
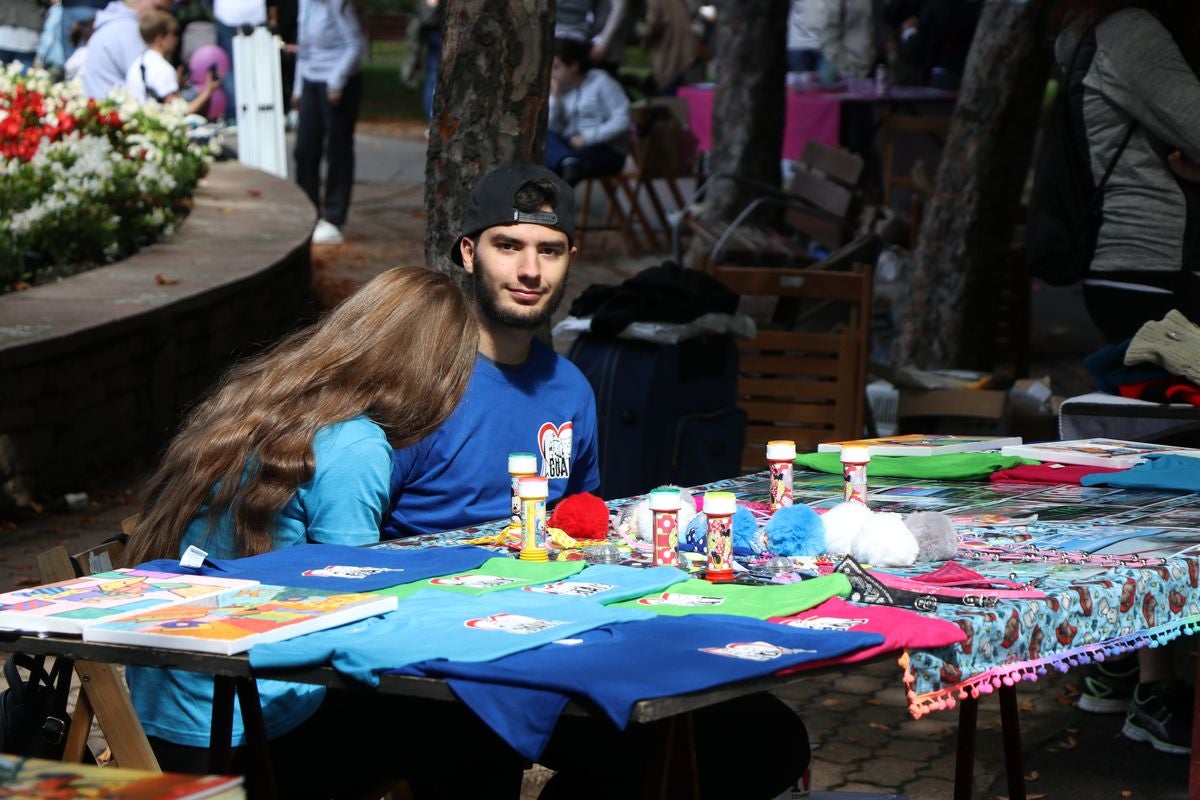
column 899, row 627
column 1046, row 473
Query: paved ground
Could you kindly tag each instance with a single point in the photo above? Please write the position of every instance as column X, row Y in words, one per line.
column 865, row 740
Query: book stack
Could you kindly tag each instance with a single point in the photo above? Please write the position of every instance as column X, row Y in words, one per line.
column 923, row 444
column 182, row 612
column 37, row 779
column 1113, row 453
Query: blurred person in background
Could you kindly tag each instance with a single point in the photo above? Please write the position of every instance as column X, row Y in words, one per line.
column 20, row 30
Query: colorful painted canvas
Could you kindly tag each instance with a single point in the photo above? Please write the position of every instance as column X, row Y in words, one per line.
column 922, row 444
column 1114, row 453
column 37, row 779
column 71, row 605
column 236, row 620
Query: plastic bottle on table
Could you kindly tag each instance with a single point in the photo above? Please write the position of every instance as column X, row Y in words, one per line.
column 719, row 508
column 854, row 473
column 520, row 465
column 533, row 492
column 664, row 505
column 781, row 459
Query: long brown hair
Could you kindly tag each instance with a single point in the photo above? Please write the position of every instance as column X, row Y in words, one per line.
column 400, row 350
column 1181, row 18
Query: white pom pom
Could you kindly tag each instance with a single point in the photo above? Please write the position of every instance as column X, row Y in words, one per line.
column 641, row 518
column 842, row 525
column 885, row 541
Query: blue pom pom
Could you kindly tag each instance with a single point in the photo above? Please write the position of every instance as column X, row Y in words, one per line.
column 796, row 531
column 746, row 541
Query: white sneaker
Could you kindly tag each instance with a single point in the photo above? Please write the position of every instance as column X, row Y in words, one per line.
column 326, row 233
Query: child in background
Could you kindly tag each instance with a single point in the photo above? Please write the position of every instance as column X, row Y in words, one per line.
column 77, row 61
column 151, row 76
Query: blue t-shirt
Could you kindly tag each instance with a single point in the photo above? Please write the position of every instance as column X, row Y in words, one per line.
column 343, row 503
column 458, row 475
column 433, row 624
column 615, row 666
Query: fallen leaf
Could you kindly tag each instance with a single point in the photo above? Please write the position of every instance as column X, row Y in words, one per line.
column 20, row 286
column 1027, row 705
column 879, row 726
column 1070, row 743
column 163, row 280
column 871, row 701
column 1033, row 776
column 254, row 192
column 36, row 506
column 833, row 701
column 1126, row 793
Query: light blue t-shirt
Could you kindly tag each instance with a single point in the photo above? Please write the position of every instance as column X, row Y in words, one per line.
column 458, row 475
column 343, row 503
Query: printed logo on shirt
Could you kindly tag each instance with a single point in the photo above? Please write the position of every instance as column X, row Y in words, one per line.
column 473, row 581
column 571, row 588
column 513, row 623
column 344, row 571
column 825, row 623
column 674, row 599
column 754, row 651
column 554, row 442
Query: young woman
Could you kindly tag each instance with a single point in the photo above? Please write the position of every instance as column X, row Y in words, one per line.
column 1142, row 83
column 296, row 446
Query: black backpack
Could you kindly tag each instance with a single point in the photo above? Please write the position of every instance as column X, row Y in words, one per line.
column 33, row 711
column 1067, row 204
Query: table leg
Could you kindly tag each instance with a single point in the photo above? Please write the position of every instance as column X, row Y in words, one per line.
column 677, row 776
column 261, row 776
column 964, row 762
column 1194, row 768
column 1010, row 729
column 220, row 753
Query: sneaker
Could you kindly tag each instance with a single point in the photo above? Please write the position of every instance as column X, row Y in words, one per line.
column 1107, row 687
column 1161, row 713
column 327, row 233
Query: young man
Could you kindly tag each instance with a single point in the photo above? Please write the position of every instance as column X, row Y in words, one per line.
column 517, row 246
column 115, row 43
column 588, row 128
column 151, row 76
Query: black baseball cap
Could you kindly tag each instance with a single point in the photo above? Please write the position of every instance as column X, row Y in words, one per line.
column 491, row 203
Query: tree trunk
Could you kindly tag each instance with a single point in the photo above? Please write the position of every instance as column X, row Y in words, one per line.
column 490, row 107
column 749, row 105
column 968, row 225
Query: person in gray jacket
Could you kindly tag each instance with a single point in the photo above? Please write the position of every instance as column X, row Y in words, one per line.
column 20, row 28
column 588, row 130
column 1143, row 78
column 115, row 44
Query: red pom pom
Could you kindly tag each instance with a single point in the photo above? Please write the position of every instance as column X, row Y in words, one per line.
column 581, row 516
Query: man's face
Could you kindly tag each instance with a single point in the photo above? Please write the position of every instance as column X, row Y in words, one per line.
column 519, row 273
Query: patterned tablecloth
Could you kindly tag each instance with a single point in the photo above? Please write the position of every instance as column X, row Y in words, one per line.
column 1120, row 570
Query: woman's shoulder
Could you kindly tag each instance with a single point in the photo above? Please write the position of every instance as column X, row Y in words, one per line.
column 1129, row 27
column 348, row 432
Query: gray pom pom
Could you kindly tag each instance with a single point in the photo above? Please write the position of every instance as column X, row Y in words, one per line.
column 937, row 540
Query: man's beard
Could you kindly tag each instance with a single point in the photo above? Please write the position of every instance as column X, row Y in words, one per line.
column 489, row 303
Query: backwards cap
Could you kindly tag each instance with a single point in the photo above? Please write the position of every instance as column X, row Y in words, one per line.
column 491, row 203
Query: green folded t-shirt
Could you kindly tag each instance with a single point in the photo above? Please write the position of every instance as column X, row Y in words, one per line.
column 493, row 575
column 949, row 467
column 697, row 596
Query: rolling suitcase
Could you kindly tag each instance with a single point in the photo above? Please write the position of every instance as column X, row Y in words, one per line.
column 665, row 413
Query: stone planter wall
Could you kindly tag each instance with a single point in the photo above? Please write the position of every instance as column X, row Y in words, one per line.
column 98, row 368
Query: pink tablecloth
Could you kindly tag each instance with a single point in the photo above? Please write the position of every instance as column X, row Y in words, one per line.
column 810, row 115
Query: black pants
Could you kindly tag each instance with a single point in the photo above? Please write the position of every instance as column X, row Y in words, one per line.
column 747, row 748
column 360, row 743
column 329, row 131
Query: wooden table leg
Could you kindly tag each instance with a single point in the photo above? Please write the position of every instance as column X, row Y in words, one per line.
column 964, row 761
column 1010, row 728
column 220, row 752
column 1194, row 767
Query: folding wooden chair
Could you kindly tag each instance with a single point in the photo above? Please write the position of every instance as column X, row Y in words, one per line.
column 897, row 127
column 808, row 384
column 102, row 692
column 622, row 212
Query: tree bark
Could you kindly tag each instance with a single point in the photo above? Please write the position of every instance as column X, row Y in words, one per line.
column 490, row 107
column 749, row 104
column 969, row 222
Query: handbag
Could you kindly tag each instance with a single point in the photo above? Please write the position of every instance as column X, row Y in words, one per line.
column 33, row 710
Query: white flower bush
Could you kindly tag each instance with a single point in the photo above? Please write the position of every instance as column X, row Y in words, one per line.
column 82, row 182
